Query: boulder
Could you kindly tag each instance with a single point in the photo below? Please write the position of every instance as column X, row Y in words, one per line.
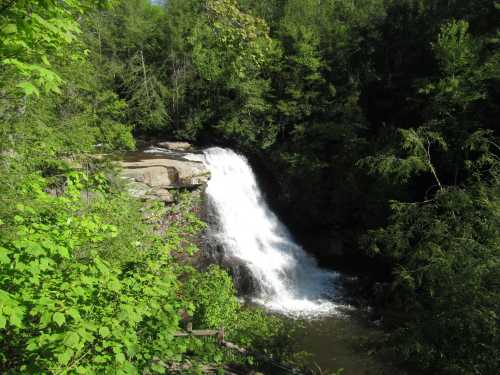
column 163, row 195
column 152, row 176
column 138, row 189
column 143, row 191
column 176, row 146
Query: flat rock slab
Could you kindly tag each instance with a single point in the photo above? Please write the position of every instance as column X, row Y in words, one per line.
column 164, row 172
column 153, row 177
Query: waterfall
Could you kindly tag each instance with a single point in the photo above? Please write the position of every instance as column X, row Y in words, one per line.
column 289, row 280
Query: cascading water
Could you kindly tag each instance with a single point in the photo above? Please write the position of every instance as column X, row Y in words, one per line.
column 289, row 280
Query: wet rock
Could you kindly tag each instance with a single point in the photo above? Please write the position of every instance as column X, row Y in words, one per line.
column 335, row 246
column 329, row 245
column 378, row 323
column 244, row 281
column 214, row 251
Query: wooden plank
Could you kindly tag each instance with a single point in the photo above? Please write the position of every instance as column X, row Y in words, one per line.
column 201, row 332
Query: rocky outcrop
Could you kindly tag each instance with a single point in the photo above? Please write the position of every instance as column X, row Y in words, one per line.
column 176, row 146
column 156, row 175
column 167, row 172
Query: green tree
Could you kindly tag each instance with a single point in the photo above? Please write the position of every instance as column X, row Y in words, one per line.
column 33, row 32
column 126, row 45
column 445, row 247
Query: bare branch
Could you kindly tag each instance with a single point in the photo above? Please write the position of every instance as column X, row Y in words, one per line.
column 429, row 162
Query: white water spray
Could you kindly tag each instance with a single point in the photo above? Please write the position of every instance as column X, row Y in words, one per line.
column 290, row 281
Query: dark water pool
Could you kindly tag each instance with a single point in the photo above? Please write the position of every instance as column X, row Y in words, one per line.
column 343, row 342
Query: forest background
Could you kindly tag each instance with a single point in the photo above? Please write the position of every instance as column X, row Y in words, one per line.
column 375, row 120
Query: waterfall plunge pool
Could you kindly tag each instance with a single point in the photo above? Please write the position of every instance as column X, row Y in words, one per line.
column 288, row 280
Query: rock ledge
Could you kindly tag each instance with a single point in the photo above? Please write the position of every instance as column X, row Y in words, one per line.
column 154, row 173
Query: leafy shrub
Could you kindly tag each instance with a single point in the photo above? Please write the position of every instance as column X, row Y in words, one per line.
column 65, row 315
column 88, row 286
column 212, row 299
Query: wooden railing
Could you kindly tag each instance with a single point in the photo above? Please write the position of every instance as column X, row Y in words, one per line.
column 219, row 335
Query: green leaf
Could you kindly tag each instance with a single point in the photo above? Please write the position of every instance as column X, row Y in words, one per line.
column 63, row 252
column 18, row 219
column 74, row 313
column 10, row 28
column 32, row 346
column 59, row 318
column 45, row 60
column 3, row 321
column 16, row 317
column 56, row 89
column 158, row 368
column 114, row 285
column 102, row 267
column 45, row 319
column 66, row 356
column 71, row 339
column 28, row 88
column 120, row 357
column 4, row 258
column 104, row 331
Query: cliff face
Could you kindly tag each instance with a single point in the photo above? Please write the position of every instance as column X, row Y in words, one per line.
column 175, row 175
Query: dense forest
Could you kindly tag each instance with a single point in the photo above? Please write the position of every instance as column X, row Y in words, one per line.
column 376, row 121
